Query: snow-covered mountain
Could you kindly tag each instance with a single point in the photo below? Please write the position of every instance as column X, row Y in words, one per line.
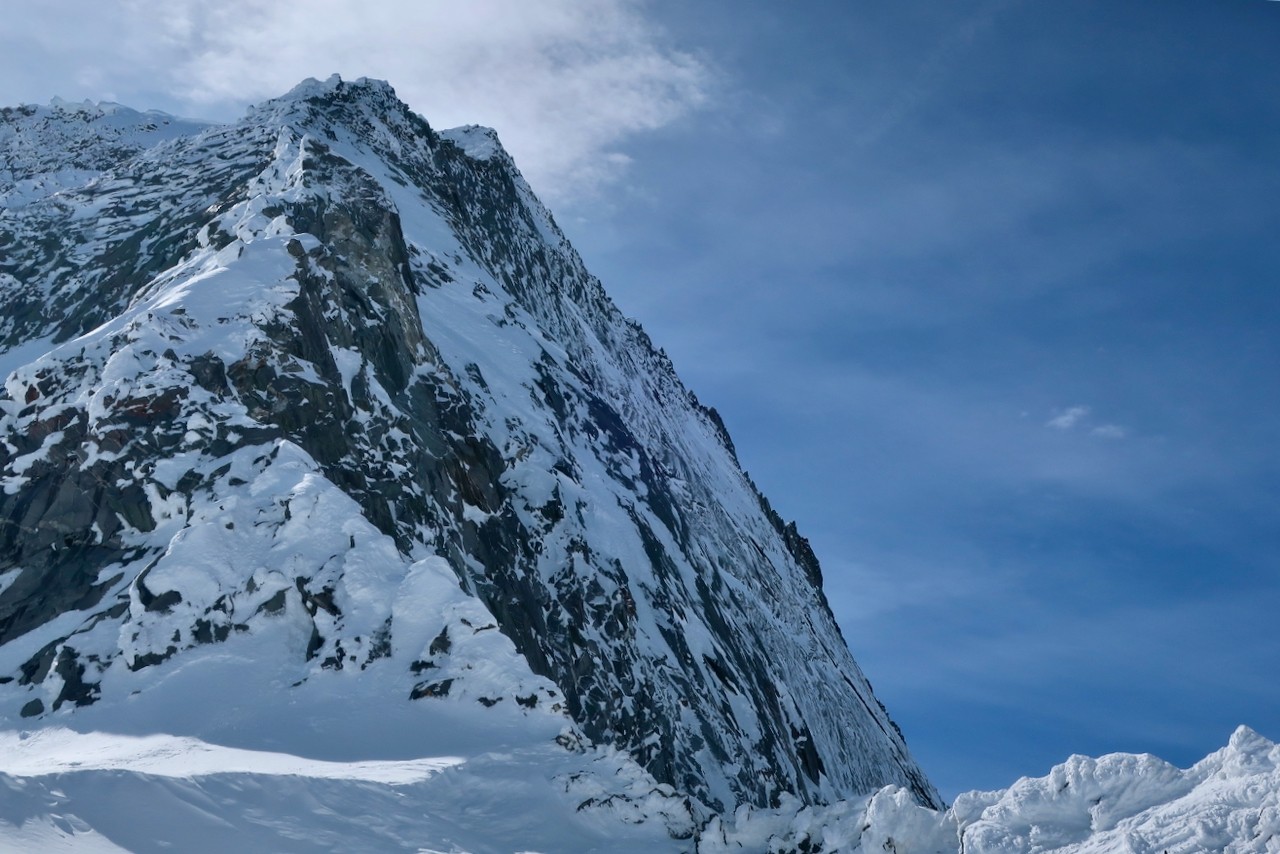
column 315, row 428
column 340, row 510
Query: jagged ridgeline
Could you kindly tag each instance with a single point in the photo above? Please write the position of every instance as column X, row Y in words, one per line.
column 263, row 374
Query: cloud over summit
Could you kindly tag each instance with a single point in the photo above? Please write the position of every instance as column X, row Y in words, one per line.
column 564, row 83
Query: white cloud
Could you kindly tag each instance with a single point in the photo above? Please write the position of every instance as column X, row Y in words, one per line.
column 1075, row 416
column 1069, row 418
column 564, row 82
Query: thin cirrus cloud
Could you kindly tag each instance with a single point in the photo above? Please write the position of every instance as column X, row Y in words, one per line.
column 564, row 83
column 1069, row 418
column 1077, row 416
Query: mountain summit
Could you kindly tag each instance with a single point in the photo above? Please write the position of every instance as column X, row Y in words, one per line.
column 317, row 417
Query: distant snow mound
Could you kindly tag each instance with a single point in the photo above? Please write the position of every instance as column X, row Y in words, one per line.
column 1116, row 804
column 1228, row 802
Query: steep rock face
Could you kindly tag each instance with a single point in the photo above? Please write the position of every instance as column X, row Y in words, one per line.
column 330, row 302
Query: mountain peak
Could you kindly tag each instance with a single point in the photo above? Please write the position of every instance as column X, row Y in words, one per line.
column 479, row 142
column 337, row 101
column 335, row 87
column 338, row 398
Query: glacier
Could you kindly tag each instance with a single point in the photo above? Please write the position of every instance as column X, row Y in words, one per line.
column 340, row 509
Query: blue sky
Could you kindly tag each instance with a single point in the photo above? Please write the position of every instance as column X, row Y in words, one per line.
column 985, row 291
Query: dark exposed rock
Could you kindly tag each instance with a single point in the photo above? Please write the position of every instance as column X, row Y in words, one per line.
column 74, row 688
column 318, row 601
column 315, row 643
column 151, row 659
column 431, row 689
column 275, row 604
column 380, row 644
column 441, row 645
column 151, row 602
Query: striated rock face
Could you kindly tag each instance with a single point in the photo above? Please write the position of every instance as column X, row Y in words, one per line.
column 259, row 372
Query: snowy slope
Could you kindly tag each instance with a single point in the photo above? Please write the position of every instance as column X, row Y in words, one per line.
column 65, row 791
column 323, row 401
column 63, row 145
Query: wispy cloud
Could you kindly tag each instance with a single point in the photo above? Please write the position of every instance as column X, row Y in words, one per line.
column 565, row 83
column 1068, row 419
column 1078, row 416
